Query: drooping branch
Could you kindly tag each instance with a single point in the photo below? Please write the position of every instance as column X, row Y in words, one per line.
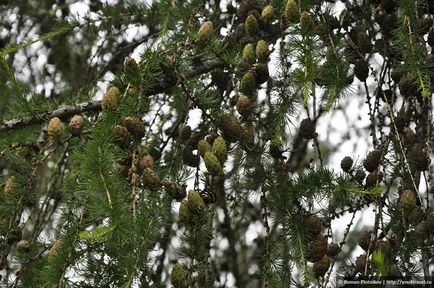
column 62, row 112
column 95, row 106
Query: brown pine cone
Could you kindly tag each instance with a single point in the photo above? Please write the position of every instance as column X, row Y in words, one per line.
column 307, row 129
column 360, row 175
column 175, row 190
column 372, row 160
column 361, row 263
column 332, row 250
column 346, row 163
column 320, row 267
column 374, row 178
column 318, row 248
column 313, row 224
column 150, row 178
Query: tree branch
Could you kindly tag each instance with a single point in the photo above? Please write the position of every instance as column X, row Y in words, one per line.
column 95, row 106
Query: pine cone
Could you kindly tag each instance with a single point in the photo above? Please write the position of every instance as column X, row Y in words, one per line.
column 320, row 267
column 134, row 126
column 175, row 190
column 248, row 84
column 179, row 276
column 130, row 65
column 346, row 163
column 291, row 12
column 361, row 70
column 409, row 136
column 208, row 195
column 184, row 213
column 205, row 33
column 189, row 158
column 244, row 105
column 372, row 160
column 146, row 162
column 317, row 248
column 374, row 179
column 313, row 224
column 332, row 250
column 195, row 204
column 261, row 73
column 306, row 22
column 10, row 185
column 262, row 51
column 203, row 146
column 220, row 149
column 55, row 128
column 251, row 25
column 111, row 98
column 360, row 175
column 364, row 240
column 267, row 14
column 231, row 127
column 150, row 178
column 249, row 54
column 247, row 138
column 307, row 129
column 408, row 201
column 361, row 262
column 122, row 138
column 212, row 163
column 76, row 124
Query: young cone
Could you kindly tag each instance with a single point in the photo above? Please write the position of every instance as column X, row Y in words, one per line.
column 220, row 149
column 212, row 163
column 205, row 33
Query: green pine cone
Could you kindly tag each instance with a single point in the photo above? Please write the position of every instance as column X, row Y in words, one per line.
column 249, row 53
column 306, row 22
column 251, row 25
column 195, row 203
column 262, row 51
column 220, row 149
column 268, row 13
column 212, row 163
column 248, row 84
column 184, row 213
column 179, row 276
column 203, row 146
column 205, row 33
column 291, row 12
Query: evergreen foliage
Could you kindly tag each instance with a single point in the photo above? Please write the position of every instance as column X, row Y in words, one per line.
column 108, row 117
